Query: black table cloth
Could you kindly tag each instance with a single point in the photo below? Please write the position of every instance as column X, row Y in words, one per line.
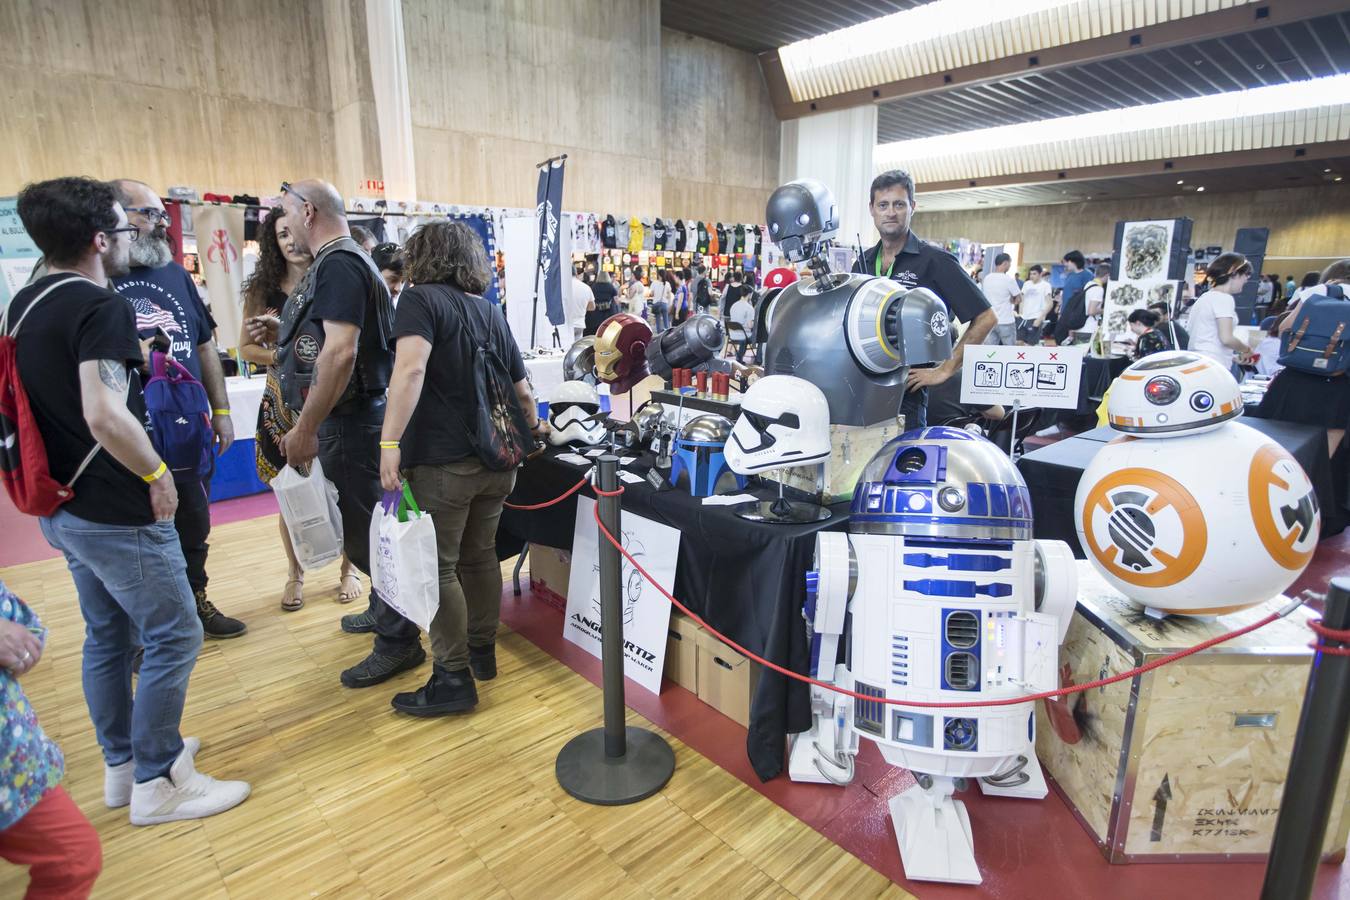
column 1098, row 373
column 746, row 579
column 1052, row 474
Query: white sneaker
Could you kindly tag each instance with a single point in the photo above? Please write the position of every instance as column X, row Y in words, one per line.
column 117, row 780
column 184, row 794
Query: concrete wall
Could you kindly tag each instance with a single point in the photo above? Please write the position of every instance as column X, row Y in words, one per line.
column 1305, row 224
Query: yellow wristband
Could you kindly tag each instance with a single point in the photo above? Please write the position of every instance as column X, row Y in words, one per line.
column 157, row 474
column 388, row 445
column 220, row 412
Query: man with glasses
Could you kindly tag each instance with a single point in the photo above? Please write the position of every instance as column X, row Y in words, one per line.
column 77, row 358
column 335, row 357
column 164, row 298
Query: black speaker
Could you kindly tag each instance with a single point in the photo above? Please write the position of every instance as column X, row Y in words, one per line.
column 1251, row 243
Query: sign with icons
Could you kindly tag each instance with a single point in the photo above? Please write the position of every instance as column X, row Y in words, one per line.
column 1042, row 377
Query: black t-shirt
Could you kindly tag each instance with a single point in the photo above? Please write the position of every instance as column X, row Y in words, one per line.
column 944, row 403
column 342, row 293
column 680, row 236
column 438, row 430
column 920, row 264
column 605, row 293
column 167, row 298
column 79, row 322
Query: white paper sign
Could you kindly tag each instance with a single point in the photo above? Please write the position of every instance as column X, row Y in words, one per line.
column 1042, row 377
column 646, row 614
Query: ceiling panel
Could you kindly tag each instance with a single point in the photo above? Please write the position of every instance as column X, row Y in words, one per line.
column 1248, row 178
column 1291, row 52
column 767, row 25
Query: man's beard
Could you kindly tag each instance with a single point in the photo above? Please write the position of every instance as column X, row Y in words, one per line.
column 152, row 250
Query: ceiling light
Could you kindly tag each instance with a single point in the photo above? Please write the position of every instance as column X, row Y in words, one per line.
column 1200, row 188
column 1326, row 171
column 1332, row 90
column 1181, row 181
column 1337, row 178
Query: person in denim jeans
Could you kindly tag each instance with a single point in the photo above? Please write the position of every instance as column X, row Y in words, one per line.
column 76, row 344
column 431, row 403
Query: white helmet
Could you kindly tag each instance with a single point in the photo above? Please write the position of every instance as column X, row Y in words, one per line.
column 573, row 414
column 784, row 422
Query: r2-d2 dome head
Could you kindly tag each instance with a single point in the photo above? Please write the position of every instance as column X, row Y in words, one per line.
column 573, row 414
column 802, row 215
column 1172, row 394
column 784, row 422
column 942, row 482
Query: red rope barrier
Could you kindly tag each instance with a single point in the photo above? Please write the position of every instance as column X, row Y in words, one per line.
column 554, row 502
column 1012, row 701
column 1326, row 633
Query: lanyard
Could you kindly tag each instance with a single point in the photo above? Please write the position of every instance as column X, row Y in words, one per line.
column 878, row 262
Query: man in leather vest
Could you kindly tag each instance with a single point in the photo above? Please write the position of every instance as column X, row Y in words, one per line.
column 335, row 354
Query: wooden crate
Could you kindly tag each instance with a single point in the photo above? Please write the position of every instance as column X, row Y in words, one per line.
column 1185, row 763
column 682, row 651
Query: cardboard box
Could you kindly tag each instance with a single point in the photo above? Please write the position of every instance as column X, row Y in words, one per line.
column 550, row 569
column 726, row 679
column 1185, row 763
column 833, row 481
column 682, row 651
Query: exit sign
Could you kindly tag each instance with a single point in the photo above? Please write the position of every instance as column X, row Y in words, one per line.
column 371, row 186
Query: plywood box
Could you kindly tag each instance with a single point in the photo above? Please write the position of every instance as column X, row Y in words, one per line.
column 851, row 447
column 550, row 569
column 1185, row 763
column 726, row 679
column 682, row 651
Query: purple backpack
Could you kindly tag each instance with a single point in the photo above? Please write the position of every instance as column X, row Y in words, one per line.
column 179, row 413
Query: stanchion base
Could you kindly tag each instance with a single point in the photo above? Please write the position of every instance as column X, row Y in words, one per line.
column 781, row 512
column 585, row 772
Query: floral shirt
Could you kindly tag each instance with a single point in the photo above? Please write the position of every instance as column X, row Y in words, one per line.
column 30, row 763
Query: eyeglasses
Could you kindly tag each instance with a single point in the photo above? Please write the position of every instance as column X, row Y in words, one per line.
column 131, row 231
column 287, row 189
column 153, row 216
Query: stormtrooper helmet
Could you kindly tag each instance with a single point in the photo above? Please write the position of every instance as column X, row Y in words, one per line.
column 573, row 414
column 802, row 215
column 784, row 422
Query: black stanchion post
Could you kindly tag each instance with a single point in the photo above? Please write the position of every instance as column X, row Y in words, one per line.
column 615, row 764
column 1315, row 765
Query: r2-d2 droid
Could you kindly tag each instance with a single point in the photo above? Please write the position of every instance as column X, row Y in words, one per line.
column 937, row 593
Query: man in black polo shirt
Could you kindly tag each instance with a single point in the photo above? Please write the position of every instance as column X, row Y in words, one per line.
column 902, row 256
column 336, row 355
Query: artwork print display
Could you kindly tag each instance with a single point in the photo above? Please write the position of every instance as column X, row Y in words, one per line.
column 1145, row 257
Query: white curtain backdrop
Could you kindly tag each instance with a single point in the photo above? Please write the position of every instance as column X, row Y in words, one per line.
column 519, row 243
column 393, row 109
column 836, row 149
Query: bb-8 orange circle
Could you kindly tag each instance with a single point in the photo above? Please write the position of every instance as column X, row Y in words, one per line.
column 1273, row 471
column 1164, row 568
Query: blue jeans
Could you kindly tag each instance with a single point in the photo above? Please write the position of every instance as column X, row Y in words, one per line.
column 660, row 316
column 133, row 590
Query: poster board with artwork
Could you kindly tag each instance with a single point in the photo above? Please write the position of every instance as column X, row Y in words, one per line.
column 1150, row 259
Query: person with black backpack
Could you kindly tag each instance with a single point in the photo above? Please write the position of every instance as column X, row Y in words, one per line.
column 460, row 418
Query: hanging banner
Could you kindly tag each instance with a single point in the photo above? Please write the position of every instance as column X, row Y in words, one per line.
column 220, row 242
column 548, row 213
column 646, row 614
column 18, row 253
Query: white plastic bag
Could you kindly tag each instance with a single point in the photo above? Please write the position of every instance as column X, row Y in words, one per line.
column 403, row 565
column 309, row 507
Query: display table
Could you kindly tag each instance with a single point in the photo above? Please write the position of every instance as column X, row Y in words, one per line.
column 1052, row 473
column 746, row 579
column 236, row 472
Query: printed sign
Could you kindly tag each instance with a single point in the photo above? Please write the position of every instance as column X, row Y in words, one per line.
column 18, row 253
column 646, row 614
column 1043, row 377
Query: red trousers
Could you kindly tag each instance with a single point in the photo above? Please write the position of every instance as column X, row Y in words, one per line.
column 58, row 844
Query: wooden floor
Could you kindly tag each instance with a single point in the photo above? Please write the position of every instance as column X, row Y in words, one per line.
column 352, row 800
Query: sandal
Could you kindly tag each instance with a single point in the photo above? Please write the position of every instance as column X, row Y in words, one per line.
column 347, row 594
column 292, row 602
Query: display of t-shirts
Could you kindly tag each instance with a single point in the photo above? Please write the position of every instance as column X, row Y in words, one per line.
column 659, row 234
column 634, row 234
column 375, row 225
column 593, row 243
column 702, row 237
column 623, row 231
column 738, row 242
column 609, row 234
column 691, row 236
column 578, row 227
column 723, row 245
column 678, row 242
column 751, row 239
column 648, row 235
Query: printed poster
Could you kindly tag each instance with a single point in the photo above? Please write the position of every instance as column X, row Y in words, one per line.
column 1036, row 377
column 18, row 254
column 646, row 613
column 1145, row 257
column 220, row 252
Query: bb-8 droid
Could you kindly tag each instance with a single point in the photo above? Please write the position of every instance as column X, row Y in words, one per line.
column 1190, row 512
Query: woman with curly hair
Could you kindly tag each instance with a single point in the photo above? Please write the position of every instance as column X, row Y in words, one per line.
column 282, row 261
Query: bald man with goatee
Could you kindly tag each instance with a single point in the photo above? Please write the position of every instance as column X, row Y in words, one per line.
column 335, row 355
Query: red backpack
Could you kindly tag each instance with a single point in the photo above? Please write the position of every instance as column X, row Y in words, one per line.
column 23, row 456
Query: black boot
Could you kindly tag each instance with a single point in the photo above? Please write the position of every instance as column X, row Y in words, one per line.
column 444, row 693
column 378, row 667
column 483, row 662
column 215, row 624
